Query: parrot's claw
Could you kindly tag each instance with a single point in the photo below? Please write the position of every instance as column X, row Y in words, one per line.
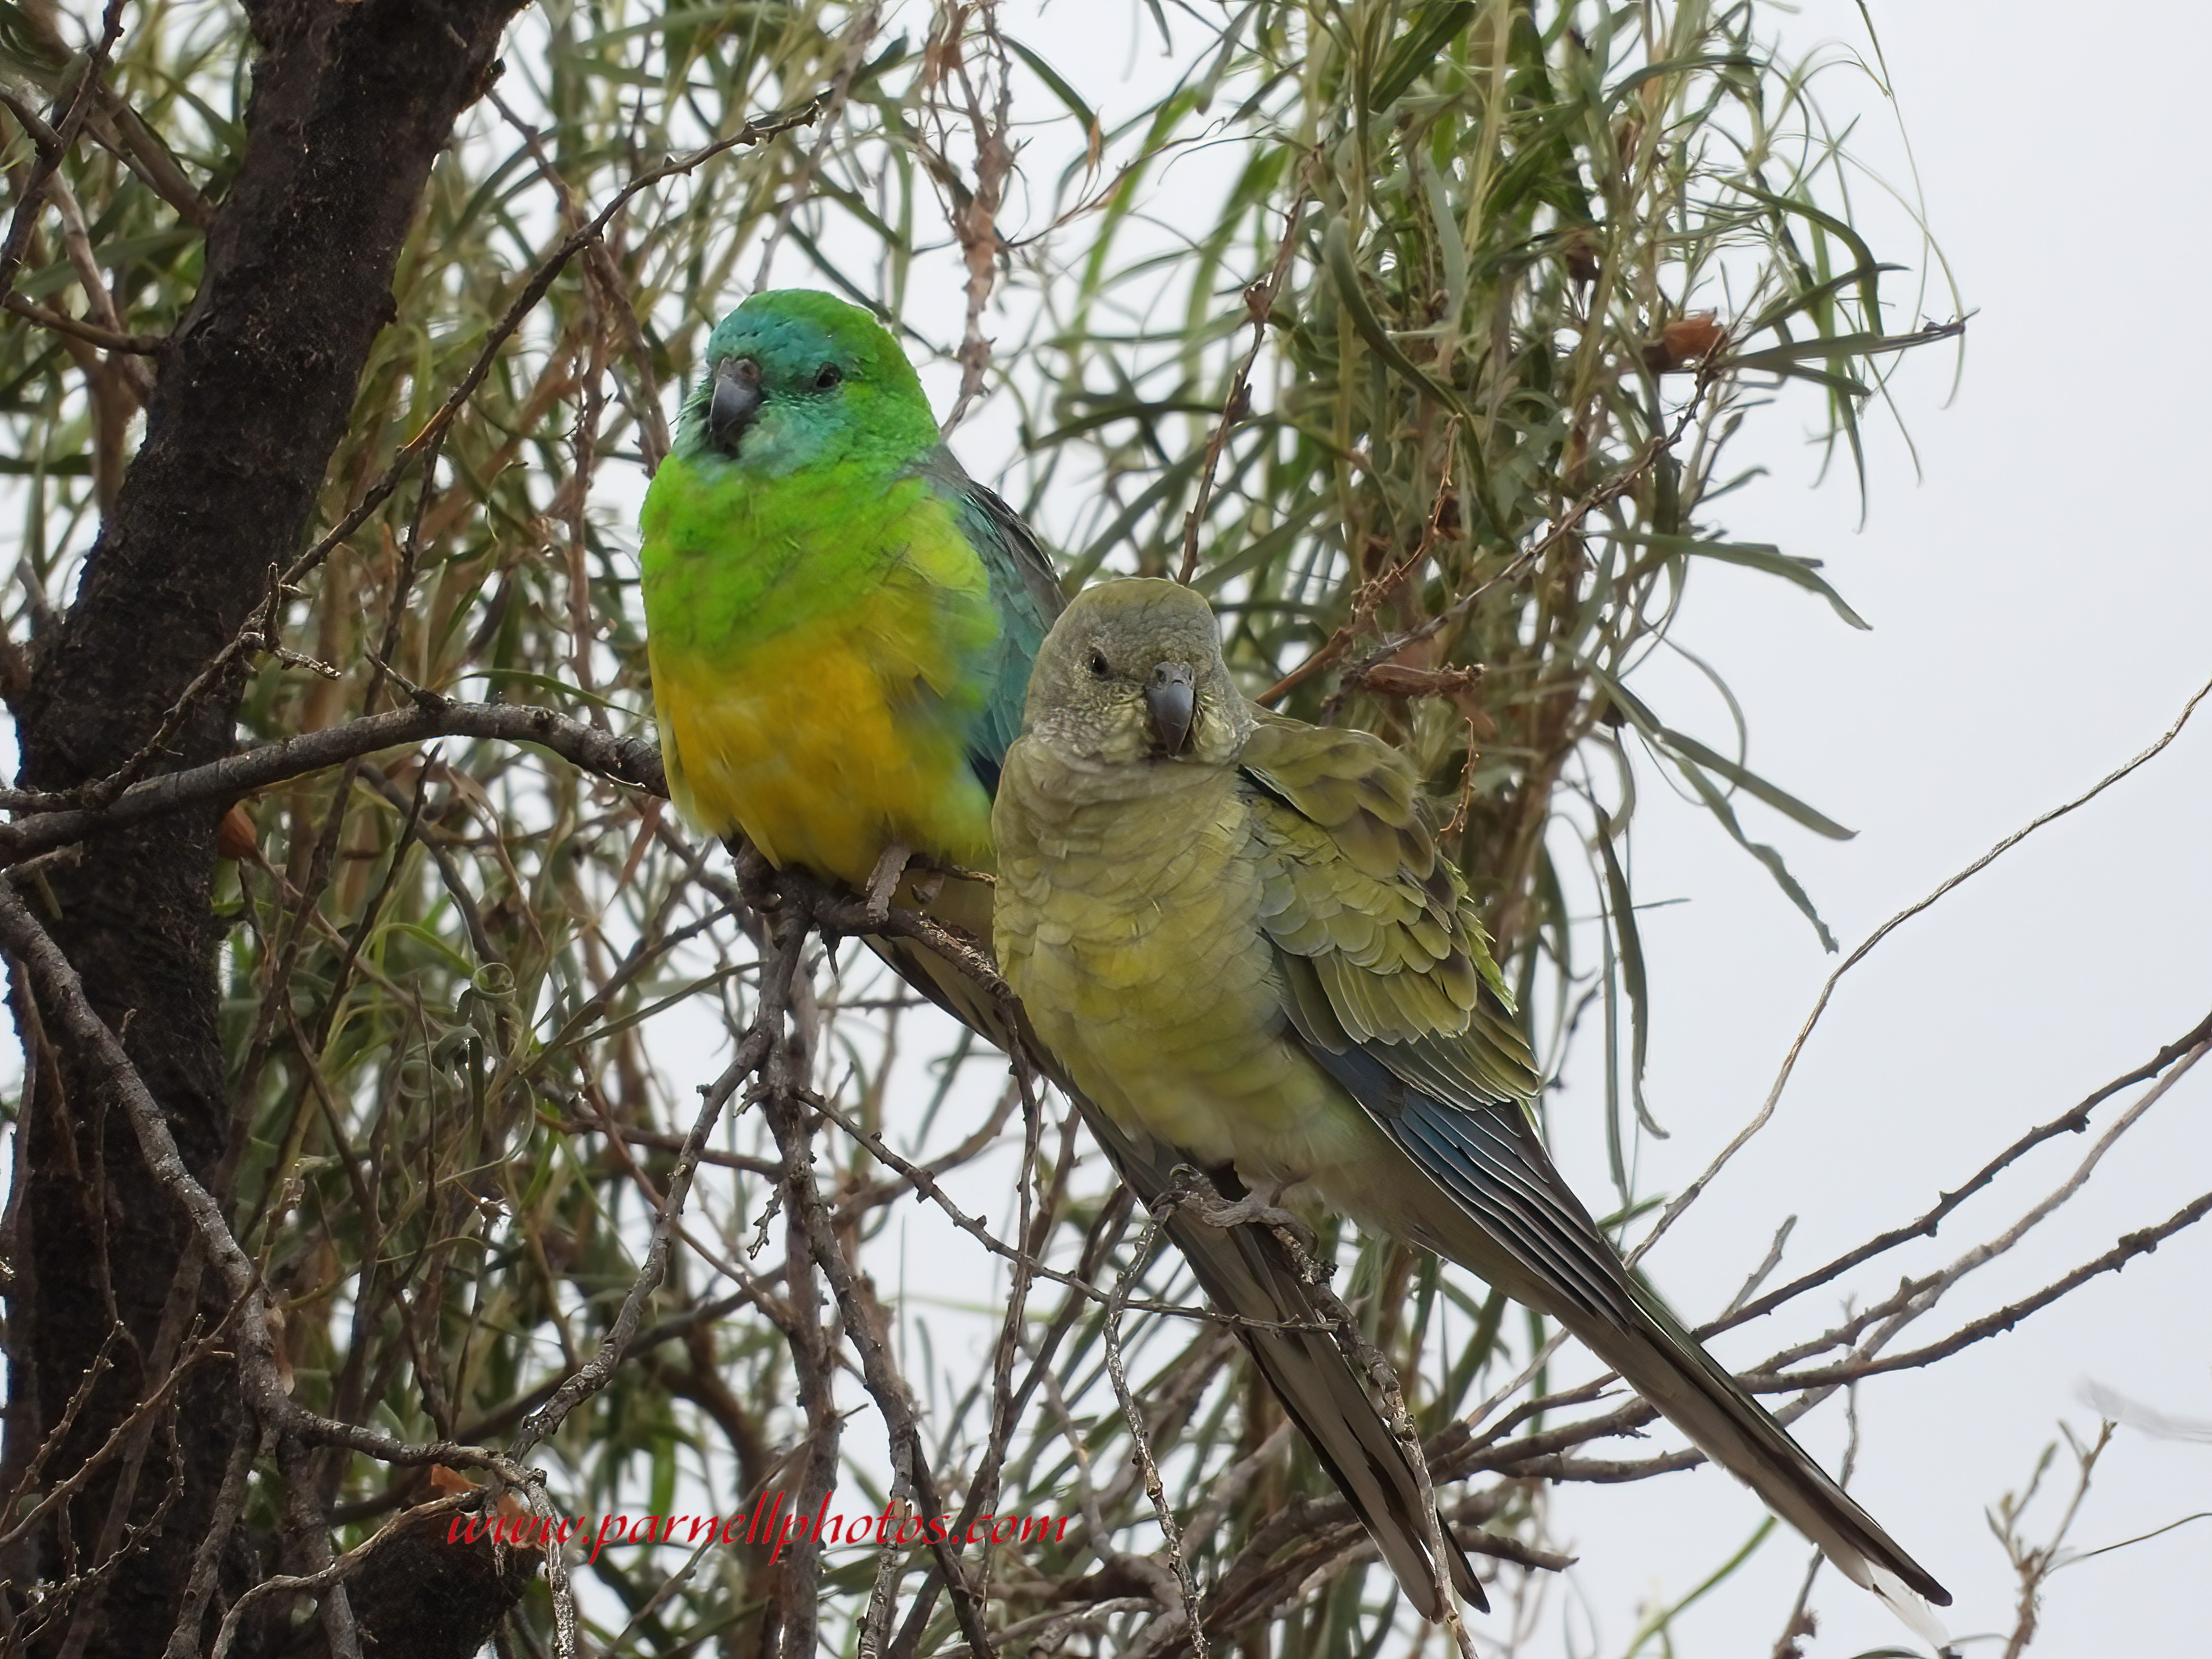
column 884, row 880
column 1256, row 1208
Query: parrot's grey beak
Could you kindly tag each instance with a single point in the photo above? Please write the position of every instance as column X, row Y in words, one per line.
column 1171, row 701
column 735, row 404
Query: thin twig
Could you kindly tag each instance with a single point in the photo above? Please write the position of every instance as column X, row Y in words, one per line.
column 1140, row 1449
column 62, row 135
column 1369, row 598
column 2130, row 1246
column 61, row 322
column 54, row 819
column 2035, row 1565
column 975, row 219
column 335, row 1571
column 878, row 1365
column 199, row 1589
column 2072, row 1122
column 69, row 1015
column 1259, row 304
column 582, row 1384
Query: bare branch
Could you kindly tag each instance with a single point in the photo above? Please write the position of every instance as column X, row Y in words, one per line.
column 2072, row 1122
column 1258, row 305
column 54, row 821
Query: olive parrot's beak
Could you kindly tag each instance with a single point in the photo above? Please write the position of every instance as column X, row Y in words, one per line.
column 1170, row 702
column 735, row 404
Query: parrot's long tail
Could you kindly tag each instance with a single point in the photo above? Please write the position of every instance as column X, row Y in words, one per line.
column 1246, row 1274
column 1663, row 1362
column 1514, row 1221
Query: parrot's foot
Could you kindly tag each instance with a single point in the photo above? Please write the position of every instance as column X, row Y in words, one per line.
column 1258, row 1208
column 884, row 880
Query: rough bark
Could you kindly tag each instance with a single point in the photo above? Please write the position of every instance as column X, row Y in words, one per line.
column 351, row 104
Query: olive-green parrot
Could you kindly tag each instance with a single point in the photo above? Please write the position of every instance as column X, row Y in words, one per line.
column 841, row 623
column 1235, row 932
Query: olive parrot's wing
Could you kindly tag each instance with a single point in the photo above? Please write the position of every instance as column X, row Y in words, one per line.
column 1356, row 895
column 1390, row 989
column 1023, row 591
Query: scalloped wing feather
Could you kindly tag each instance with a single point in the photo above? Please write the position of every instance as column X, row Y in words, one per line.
column 1352, row 882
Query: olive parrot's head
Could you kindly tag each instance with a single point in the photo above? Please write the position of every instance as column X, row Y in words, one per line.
column 796, row 378
column 1133, row 673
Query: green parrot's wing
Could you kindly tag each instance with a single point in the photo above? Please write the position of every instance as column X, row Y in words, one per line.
column 1390, row 989
column 1024, row 590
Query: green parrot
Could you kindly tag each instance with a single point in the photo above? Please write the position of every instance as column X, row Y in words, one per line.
column 1237, row 934
column 840, row 620
column 840, row 623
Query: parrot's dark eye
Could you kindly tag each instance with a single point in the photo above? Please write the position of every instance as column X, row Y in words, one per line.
column 827, row 377
column 1100, row 668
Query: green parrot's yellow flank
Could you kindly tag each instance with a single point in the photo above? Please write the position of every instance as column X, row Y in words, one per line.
column 841, row 623
column 1237, row 933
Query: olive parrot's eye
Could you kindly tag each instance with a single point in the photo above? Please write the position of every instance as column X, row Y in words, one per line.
column 1100, row 668
column 827, row 377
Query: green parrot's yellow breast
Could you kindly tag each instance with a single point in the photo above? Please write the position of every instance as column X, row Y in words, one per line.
column 814, row 674
column 819, row 746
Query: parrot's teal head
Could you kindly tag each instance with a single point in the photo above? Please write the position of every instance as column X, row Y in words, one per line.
column 796, row 378
column 1132, row 673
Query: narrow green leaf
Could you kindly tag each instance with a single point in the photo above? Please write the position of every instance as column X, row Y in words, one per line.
column 1061, row 89
column 1432, row 25
column 1630, row 943
column 1717, row 804
column 1860, row 344
column 1753, row 555
column 1751, row 783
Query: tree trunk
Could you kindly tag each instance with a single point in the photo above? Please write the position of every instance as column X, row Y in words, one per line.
column 351, row 104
